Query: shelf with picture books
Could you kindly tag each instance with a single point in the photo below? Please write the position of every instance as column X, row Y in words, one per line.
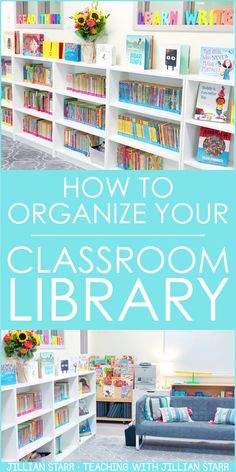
column 48, row 417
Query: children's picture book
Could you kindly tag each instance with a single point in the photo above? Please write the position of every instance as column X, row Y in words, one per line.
column 175, row 59
column 108, row 391
column 84, row 428
column 33, row 44
column 46, row 364
column 217, row 62
column 53, row 49
column 213, row 147
column 212, row 102
column 106, row 54
column 139, row 51
column 8, row 374
column 72, row 52
column 9, row 42
column 83, row 409
column 84, row 384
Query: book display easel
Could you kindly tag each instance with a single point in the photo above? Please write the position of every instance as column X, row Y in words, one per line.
column 115, row 382
column 189, row 128
column 48, row 416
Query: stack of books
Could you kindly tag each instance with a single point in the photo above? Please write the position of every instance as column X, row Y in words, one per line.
column 163, row 134
column 40, row 101
column 89, row 114
column 28, row 402
column 37, row 74
column 6, row 93
column 90, row 84
column 79, row 141
column 151, row 95
column 133, row 159
column 61, row 417
column 7, row 116
column 37, row 127
column 61, row 391
column 29, row 432
column 6, row 68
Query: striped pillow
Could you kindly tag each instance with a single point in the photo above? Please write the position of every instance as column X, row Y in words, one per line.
column 152, row 409
column 165, row 402
column 224, row 416
column 170, row 415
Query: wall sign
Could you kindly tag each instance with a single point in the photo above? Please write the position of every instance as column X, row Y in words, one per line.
column 181, row 16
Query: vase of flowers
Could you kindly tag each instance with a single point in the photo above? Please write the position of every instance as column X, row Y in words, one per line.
column 89, row 24
column 21, row 345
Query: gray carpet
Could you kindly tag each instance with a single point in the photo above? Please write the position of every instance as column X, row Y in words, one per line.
column 18, row 156
column 112, row 448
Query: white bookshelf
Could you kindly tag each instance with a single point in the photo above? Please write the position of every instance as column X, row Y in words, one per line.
column 184, row 159
column 69, row 432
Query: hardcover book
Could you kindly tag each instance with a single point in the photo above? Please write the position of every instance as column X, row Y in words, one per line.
column 33, row 44
column 139, row 51
column 217, row 62
column 212, row 102
column 53, row 49
column 8, row 374
column 84, row 428
column 175, row 59
column 106, row 54
column 46, row 364
column 9, row 42
column 213, row 147
column 72, row 52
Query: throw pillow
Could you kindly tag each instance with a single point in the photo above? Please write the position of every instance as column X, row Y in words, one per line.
column 224, row 416
column 170, row 415
column 164, row 402
column 152, row 408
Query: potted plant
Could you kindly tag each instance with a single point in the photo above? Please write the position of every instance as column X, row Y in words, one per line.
column 22, row 346
column 89, row 24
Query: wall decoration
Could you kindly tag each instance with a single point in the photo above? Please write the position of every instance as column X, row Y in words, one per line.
column 183, row 16
column 39, row 14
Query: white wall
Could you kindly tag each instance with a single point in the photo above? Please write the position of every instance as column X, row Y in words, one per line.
column 119, row 24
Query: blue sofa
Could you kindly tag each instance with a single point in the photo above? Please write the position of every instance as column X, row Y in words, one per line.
column 203, row 411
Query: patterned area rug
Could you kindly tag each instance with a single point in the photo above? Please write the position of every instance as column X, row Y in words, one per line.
column 113, row 449
column 18, row 156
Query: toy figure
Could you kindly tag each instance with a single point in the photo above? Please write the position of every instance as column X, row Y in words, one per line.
column 171, row 58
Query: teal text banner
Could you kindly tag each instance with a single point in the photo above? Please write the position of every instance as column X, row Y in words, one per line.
column 118, row 250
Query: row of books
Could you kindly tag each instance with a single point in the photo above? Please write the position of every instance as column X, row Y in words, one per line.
column 89, row 114
column 79, row 141
column 61, row 391
column 7, row 116
column 133, row 159
column 182, row 393
column 29, row 432
column 41, row 101
column 37, row 74
column 37, row 127
column 6, row 68
column 151, row 131
column 6, row 93
column 89, row 84
column 28, row 402
column 114, row 410
column 163, row 97
column 61, row 416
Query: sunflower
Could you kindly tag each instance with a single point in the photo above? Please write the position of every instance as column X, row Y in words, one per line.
column 95, row 15
column 22, row 336
column 80, row 19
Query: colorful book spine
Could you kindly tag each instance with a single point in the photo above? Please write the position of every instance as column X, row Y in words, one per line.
column 7, row 116
column 6, row 93
column 92, row 115
column 159, row 133
column 61, row 391
column 28, row 402
column 29, row 432
column 6, row 68
column 79, row 141
column 61, row 417
column 40, row 101
column 89, row 84
column 37, row 74
column 151, row 95
column 37, row 127
column 132, row 159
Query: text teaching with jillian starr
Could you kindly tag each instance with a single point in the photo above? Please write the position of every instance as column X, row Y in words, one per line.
column 118, row 223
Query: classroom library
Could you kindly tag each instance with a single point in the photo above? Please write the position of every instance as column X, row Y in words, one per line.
column 136, row 396
column 117, row 86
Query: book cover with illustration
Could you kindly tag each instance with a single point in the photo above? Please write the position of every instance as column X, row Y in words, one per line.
column 213, row 147
column 212, row 102
column 139, row 51
column 174, row 59
column 33, row 44
column 217, row 62
column 84, row 428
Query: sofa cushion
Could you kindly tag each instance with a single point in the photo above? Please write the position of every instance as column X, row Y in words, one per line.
column 180, row 415
column 224, row 416
column 203, row 408
column 152, row 408
column 197, row 430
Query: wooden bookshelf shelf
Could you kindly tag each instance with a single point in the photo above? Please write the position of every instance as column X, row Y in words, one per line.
column 211, row 390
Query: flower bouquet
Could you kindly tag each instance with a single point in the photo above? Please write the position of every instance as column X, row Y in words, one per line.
column 21, row 345
column 89, row 24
